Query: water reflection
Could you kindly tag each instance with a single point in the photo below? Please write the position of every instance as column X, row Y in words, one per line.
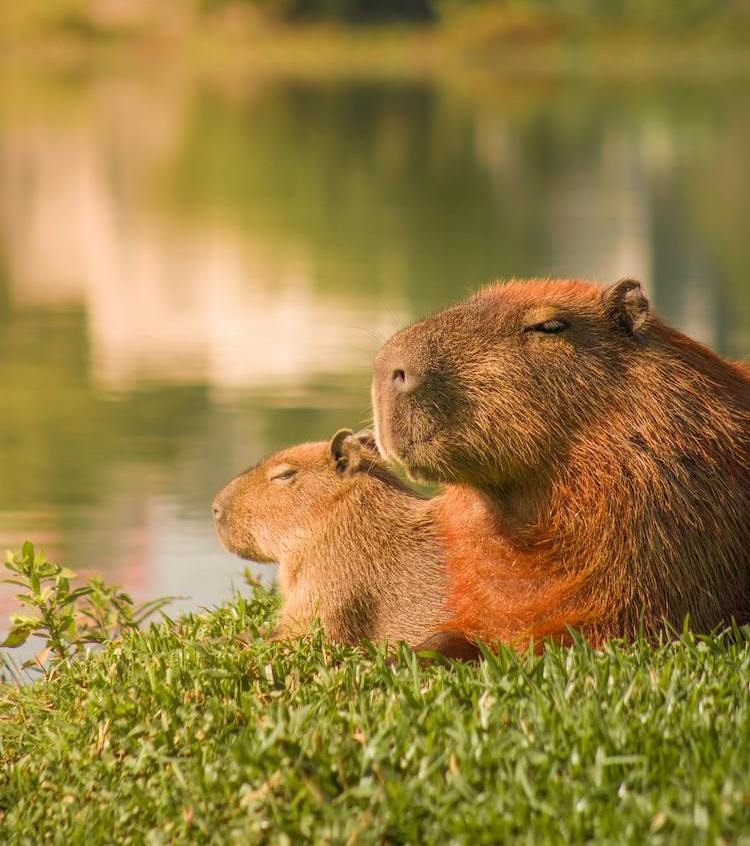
column 192, row 275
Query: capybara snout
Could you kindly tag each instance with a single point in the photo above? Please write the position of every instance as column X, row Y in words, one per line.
column 417, row 389
column 397, row 372
column 235, row 517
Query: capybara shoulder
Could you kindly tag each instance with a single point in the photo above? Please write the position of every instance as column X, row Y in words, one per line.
column 358, row 549
column 597, row 461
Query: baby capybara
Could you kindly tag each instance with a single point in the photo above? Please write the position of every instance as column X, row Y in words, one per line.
column 358, row 550
column 598, row 462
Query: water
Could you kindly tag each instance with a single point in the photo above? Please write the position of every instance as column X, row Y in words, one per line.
column 195, row 273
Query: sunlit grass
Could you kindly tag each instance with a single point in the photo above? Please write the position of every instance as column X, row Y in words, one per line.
column 199, row 731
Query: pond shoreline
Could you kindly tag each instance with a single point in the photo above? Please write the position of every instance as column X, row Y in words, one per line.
column 440, row 53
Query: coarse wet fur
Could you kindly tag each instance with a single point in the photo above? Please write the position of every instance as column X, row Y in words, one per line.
column 597, row 461
column 358, row 549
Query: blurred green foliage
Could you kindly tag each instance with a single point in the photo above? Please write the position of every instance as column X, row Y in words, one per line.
column 351, row 11
column 95, row 21
column 672, row 14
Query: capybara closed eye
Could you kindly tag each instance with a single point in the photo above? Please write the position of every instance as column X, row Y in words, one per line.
column 358, row 550
column 597, row 461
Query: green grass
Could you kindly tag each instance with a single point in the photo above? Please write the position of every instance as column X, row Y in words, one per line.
column 198, row 731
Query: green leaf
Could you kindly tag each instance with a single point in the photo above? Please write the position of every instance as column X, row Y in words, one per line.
column 23, row 584
column 47, row 570
column 75, row 595
column 27, row 599
column 16, row 637
column 12, row 564
column 23, row 620
column 64, row 621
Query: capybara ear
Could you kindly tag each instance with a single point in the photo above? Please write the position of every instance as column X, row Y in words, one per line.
column 346, row 452
column 367, row 439
column 626, row 304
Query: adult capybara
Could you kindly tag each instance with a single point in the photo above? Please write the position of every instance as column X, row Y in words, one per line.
column 358, row 549
column 598, row 461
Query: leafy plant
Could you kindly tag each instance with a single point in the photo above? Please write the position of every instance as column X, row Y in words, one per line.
column 69, row 619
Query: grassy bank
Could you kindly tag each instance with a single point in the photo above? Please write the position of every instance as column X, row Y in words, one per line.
column 198, row 731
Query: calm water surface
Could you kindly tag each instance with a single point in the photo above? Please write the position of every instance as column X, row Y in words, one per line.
column 192, row 275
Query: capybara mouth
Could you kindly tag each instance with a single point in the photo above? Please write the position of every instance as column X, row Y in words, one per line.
column 397, row 436
column 405, row 449
column 417, row 458
column 247, row 552
column 422, row 475
column 246, row 549
column 224, row 534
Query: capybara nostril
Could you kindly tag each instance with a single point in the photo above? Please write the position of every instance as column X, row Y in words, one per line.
column 406, row 381
column 394, row 372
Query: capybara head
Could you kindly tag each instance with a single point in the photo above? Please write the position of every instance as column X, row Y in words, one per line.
column 265, row 512
column 519, row 366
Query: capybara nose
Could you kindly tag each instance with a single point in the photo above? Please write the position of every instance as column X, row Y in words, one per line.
column 218, row 510
column 395, row 374
column 406, row 381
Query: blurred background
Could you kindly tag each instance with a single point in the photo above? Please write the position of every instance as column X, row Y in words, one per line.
column 212, row 213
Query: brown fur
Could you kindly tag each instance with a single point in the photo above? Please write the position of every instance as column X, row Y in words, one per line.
column 358, row 549
column 598, row 477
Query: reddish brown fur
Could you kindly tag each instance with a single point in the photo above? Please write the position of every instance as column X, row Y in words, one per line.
column 599, row 478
